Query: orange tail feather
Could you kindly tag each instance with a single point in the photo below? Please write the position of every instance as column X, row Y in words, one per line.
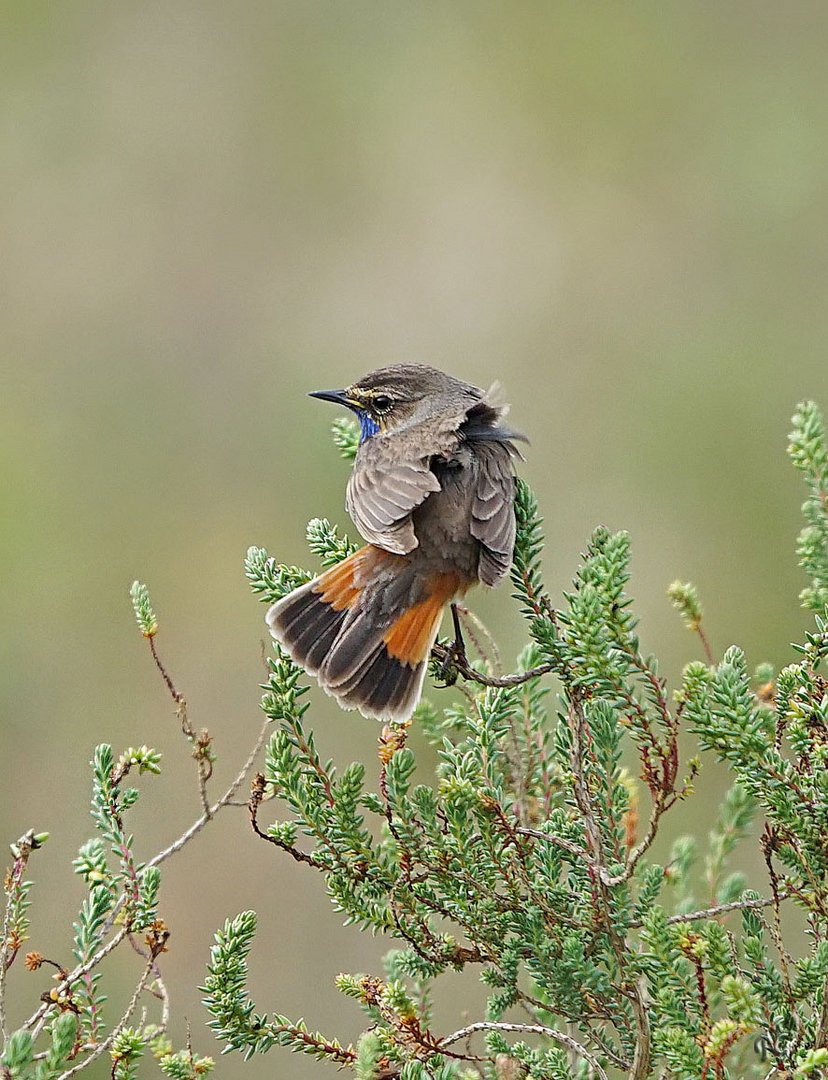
column 356, row 629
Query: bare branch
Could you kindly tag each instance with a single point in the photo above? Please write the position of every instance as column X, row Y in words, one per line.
column 567, row 845
column 225, row 800
column 528, row 1029
column 723, row 909
column 200, row 743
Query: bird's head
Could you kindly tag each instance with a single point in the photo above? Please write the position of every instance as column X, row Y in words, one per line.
column 403, row 394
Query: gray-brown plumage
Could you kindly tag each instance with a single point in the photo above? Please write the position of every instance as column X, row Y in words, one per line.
column 432, row 493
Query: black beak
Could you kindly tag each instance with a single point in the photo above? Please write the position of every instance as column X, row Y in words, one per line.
column 339, row 397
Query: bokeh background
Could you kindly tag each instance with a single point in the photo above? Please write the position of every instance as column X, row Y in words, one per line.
column 209, row 209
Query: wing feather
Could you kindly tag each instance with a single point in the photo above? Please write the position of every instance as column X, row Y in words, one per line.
column 382, row 493
column 493, row 511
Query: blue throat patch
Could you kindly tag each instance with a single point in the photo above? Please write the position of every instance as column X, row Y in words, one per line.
column 367, row 425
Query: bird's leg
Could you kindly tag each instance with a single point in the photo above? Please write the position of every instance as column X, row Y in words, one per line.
column 458, row 646
column 455, row 652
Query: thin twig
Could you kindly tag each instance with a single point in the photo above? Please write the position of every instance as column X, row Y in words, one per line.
column 705, row 642
column 607, row 1051
column 533, row 1008
column 256, row 795
column 37, row 1019
column 469, row 620
column 225, row 800
column 122, row 1023
column 199, row 743
column 768, row 842
column 722, row 909
column 638, row 851
column 583, row 798
column 574, row 849
column 165, row 1003
column 528, row 1029
column 158, row 988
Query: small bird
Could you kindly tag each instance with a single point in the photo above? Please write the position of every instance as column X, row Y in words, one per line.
column 432, row 492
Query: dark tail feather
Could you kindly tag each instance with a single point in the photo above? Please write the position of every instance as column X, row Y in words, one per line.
column 305, row 626
column 366, row 663
column 382, row 687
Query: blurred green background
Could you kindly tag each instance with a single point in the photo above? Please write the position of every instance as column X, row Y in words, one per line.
column 619, row 210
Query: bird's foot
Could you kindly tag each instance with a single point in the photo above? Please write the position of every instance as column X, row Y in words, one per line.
column 454, row 654
column 451, row 662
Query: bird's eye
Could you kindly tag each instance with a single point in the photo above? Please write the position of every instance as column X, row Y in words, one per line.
column 382, row 403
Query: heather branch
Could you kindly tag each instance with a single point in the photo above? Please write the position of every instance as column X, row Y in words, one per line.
column 37, row 1020
column 14, row 918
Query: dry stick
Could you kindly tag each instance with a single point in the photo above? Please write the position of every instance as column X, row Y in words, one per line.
column 641, row 1061
column 723, row 909
column 532, row 1007
column 158, row 988
column 607, row 1051
column 567, row 845
column 165, row 1003
column 122, row 1023
column 205, row 767
column 529, row 1029
column 225, row 800
column 469, row 620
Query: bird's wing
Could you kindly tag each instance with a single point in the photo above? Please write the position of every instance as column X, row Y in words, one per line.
column 493, row 510
column 382, row 492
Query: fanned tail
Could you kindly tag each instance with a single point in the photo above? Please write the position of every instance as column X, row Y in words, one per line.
column 365, row 629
